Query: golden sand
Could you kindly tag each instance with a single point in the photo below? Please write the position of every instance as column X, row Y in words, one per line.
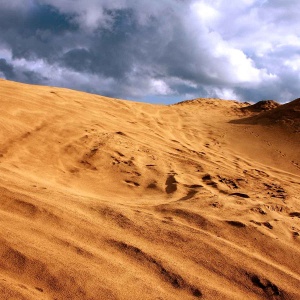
column 110, row 199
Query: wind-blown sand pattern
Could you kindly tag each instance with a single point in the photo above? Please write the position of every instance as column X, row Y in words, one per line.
column 110, row 199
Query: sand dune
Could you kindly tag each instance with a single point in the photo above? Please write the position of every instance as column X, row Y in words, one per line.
column 261, row 106
column 287, row 116
column 110, row 199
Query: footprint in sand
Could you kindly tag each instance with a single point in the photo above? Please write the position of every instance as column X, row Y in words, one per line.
column 207, row 179
column 171, row 184
column 241, row 195
column 295, row 214
column 236, row 224
column 132, row 183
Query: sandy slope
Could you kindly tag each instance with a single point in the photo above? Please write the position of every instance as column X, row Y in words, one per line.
column 110, row 199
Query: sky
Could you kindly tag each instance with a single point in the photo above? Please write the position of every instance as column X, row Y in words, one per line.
column 157, row 51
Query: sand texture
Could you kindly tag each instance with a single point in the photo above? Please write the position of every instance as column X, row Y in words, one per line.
column 108, row 199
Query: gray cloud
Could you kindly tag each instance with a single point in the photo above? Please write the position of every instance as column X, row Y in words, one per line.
column 171, row 49
column 7, row 69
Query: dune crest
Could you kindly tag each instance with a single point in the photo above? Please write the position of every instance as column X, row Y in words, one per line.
column 111, row 199
column 287, row 116
column 264, row 105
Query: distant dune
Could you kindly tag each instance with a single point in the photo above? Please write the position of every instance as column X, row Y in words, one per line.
column 287, row 116
column 261, row 106
column 110, row 199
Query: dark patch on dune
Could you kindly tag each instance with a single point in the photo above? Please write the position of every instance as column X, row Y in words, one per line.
column 236, row 224
column 229, row 182
column 112, row 215
column 270, row 289
column 176, row 280
column 187, row 215
column 152, row 185
column 14, row 262
column 120, row 133
column 241, row 195
column 189, row 195
column 171, row 184
column 194, row 186
column 286, row 115
column 295, row 214
column 268, row 225
column 207, row 177
column 261, row 106
column 208, row 180
column 132, row 183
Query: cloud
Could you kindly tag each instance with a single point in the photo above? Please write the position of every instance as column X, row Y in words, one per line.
column 6, row 69
column 246, row 49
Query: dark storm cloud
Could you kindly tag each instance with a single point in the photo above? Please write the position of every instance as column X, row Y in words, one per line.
column 111, row 53
column 248, row 50
column 19, row 74
column 7, row 69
